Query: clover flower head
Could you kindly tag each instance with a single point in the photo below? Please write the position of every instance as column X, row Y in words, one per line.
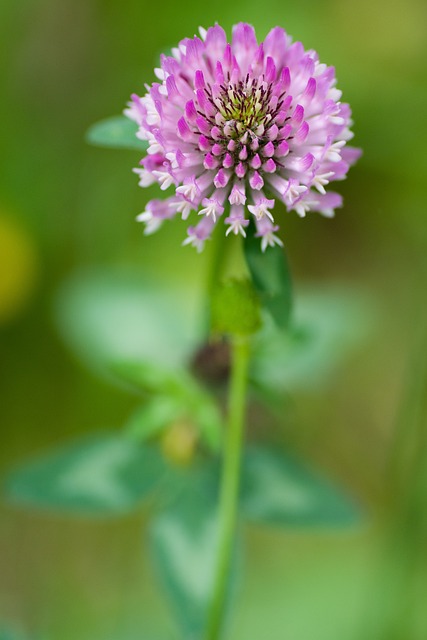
column 234, row 127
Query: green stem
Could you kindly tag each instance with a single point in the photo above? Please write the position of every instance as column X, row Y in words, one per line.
column 215, row 270
column 229, row 484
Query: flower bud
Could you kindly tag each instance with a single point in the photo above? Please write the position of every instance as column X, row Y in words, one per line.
column 179, row 442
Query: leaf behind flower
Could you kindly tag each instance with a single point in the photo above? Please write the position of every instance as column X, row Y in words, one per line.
column 111, row 316
column 271, row 278
column 117, row 132
column 327, row 325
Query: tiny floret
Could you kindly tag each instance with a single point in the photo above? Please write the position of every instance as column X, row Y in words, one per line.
column 233, row 128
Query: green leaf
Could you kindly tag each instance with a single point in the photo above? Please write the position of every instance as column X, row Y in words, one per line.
column 105, row 474
column 183, row 541
column 181, row 397
column 118, row 132
column 326, row 326
column 278, row 489
column 111, row 316
column 148, row 377
column 150, row 420
column 271, row 277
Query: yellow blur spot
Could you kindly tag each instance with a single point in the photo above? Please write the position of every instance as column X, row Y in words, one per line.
column 18, row 268
column 179, row 443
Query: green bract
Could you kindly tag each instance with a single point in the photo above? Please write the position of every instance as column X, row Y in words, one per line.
column 235, row 309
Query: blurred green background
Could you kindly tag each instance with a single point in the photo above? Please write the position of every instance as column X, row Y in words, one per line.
column 65, row 205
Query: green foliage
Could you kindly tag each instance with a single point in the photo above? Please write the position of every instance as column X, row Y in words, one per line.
column 150, row 420
column 326, row 326
column 179, row 396
column 110, row 316
column 149, row 377
column 145, row 333
column 103, row 475
column 162, row 411
column 278, row 489
column 235, row 309
column 183, row 541
column 271, row 277
column 117, row 132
